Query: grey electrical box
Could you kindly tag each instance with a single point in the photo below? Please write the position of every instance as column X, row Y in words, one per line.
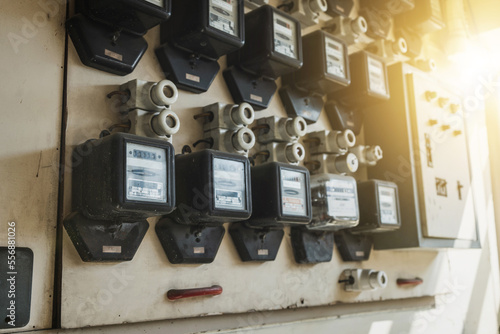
column 422, row 129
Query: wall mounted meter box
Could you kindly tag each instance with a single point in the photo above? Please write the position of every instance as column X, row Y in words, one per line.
column 199, row 33
column 426, row 17
column 325, row 70
column 118, row 182
column 107, row 34
column 340, row 7
column 437, row 206
column 335, row 207
column 281, row 196
column 132, row 16
column 273, row 47
column 212, row 188
column 369, row 82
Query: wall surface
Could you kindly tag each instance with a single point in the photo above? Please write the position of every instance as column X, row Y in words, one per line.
column 465, row 283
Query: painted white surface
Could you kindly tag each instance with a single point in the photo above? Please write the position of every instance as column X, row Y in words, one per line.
column 31, row 83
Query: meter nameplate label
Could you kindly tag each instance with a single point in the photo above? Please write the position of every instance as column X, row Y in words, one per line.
column 341, row 199
column 293, row 193
column 335, row 62
column 159, row 3
column 388, row 205
column 229, row 184
column 285, row 36
column 223, row 16
column 146, row 174
column 376, row 76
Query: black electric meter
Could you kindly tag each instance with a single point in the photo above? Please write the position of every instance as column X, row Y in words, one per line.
column 369, row 82
column 198, row 33
column 426, row 17
column 212, row 188
column 118, row 182
column 273, row 47
column 340, row 7
column 325, row 70
column 379, row 212
column 107, row 34
column 281, row 196
column 133, row 16
column 335, row 207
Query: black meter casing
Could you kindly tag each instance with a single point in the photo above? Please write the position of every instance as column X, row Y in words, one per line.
column 212, row 188
column 326, row 64
column 426, row 17
column 378, row 207
column 96, row 48
column 281, row 195
column 369, row 82
column 205, row 28
column 123, row 176
column 133, row 16
column 260, row 55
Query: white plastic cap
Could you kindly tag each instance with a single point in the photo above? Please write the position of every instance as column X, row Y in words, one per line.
column 243, row 114
column 243, row 139
column 346, row 139
column 374, row 153
column 378, row 279
column 296, row 127
column 348, row 163
column 164, row 93
column 400, row 46
column 167, row 123
column 318, row 6
column 359, row 25
column 295, row 152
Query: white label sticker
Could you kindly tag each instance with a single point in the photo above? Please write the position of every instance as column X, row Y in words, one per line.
column 293, row 193
column 376, row 76
column 388, row 205
column 256, row 98
column 159, row 3
column 262, row 252
column 342, row 201
column 199, row 250
column 335, row 61
column 112, row 249
column 229, row 184
column 192, row 77
column 224, row 16
column 285, row 36
column 146, row 173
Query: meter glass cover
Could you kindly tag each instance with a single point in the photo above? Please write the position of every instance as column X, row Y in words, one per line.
column 159, row 3
column 342, row 199
column 376, row 76
column 146, row 175
column 388, row 205
column 293, row 193
column 335, row 61
column 224, row 16
column 285, row 36
column 229, row 184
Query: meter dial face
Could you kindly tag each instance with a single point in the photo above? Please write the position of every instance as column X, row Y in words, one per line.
column 293, row 193
column 376, row 76
column 341, row 199
column 285, row 36
column 388, row 205
column 335, row 60
column 146, row 174
column 224, row 16
column 159, row 3
column 229, row 184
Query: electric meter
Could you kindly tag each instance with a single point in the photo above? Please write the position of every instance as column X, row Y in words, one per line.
column 133, row 16
column 340, row 7
column 379, row 207
column 335, row 207
column 334, row 202
column 212, row 188
column 426, row 17
column 325, row 70
column 118, row 182
column 101, row 47
column 281, row 196
column 379, row 212
column 273, row 47
column 198, row 33
column 369, row 83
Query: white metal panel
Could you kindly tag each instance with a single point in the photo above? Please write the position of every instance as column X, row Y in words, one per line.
column 31, row 87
